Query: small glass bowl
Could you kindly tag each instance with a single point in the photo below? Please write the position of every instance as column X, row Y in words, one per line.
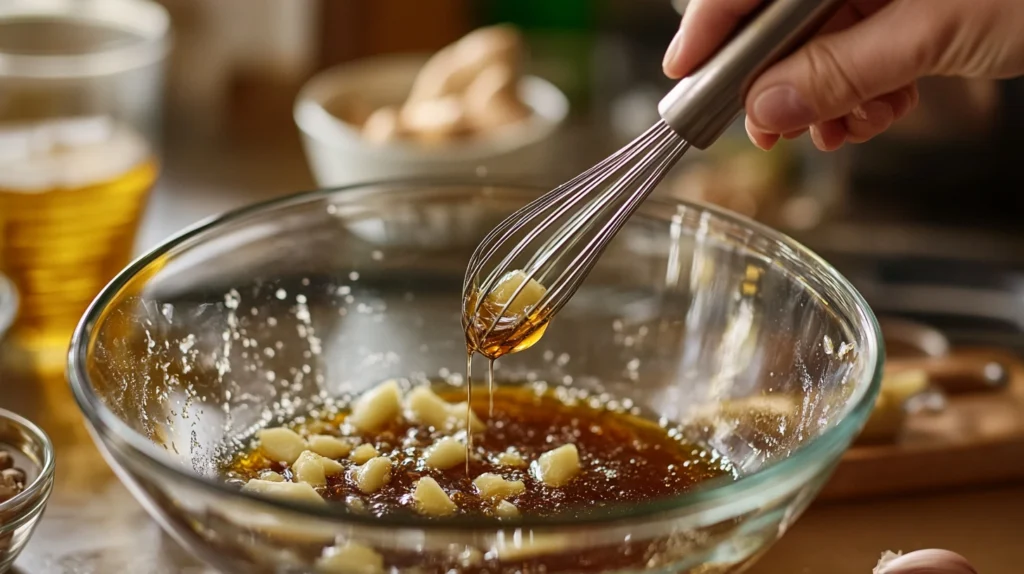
column 33, row 453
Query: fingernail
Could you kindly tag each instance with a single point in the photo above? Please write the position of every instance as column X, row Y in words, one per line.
column 673, row 50
column 874, row 111
column 782, row 109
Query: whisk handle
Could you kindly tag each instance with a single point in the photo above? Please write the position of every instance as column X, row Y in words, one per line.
column 703, row 105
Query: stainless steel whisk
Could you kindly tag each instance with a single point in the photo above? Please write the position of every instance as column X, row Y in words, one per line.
column 558, row 238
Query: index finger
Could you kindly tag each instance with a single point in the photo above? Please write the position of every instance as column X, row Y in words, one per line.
column 705, row 25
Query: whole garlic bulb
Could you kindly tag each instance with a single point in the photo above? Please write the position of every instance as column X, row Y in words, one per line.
column 930, row 561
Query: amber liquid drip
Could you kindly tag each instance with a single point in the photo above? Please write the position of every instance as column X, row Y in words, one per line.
column 490, row 389
column 469, row 407
column 501, row 340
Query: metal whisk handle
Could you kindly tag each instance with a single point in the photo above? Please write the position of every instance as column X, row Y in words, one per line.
column 702, row 105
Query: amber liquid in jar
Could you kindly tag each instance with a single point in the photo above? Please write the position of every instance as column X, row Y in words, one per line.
column 72, row 193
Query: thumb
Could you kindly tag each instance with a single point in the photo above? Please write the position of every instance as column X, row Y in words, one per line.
column 833, row 73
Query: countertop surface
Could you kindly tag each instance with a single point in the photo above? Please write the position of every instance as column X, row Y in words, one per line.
column 93, row 525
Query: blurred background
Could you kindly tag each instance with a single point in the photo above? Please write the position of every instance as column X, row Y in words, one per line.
column 925, row 219
column 124, row 121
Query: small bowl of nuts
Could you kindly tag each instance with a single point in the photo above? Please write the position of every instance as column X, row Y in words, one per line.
column 26, row 479
column 467, row 109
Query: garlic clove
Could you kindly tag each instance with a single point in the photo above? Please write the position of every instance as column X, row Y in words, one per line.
column 491, row 100
column 505, row 509
column 424, row 406
column 383, row 126
column 511, row 458
column 314, row 469
column 363, row 453
column 373, row 474
column 557, row 467
column 434, row 120
column 493, row 486
column 453, row 68
column 281, row 445
column 930, row 561
column 271, row 476
column 290, row 491
column 444, row 454
column 431, row 499
column 376, row 407
column 530, row 295
column 329, row 446
column 351, row 558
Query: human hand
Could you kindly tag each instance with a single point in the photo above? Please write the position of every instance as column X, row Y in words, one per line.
column 858, row 75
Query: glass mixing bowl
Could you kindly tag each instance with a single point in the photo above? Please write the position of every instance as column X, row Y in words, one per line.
column 761, row 348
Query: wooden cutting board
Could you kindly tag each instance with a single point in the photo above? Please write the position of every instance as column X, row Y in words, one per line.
column 977, row 440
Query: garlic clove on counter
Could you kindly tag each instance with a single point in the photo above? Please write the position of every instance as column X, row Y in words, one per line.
column 930, row 561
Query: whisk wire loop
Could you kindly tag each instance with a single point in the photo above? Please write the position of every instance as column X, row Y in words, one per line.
column 574, row 222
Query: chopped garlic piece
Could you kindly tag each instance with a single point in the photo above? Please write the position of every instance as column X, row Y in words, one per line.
column 516, row 548
column 506, row 509
column 271, row 476
column 425, row 407
column 314, row 469
column 530, row 295
column 445, row 453
column 457, row 418
column 329, row 446
column 377, row 407
column 431, row 499
column 373, row 475
column 557, row 467
column 291, row 491
column 363, row 453
column 351, row 558
column 490, row 485
column 511, row 458
column 355, row 504
column 281, row 444
column 470, row 557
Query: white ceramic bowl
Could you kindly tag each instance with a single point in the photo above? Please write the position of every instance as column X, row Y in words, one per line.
column 338, row 154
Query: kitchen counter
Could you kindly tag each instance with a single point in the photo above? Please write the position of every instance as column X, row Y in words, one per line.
column 93, row 525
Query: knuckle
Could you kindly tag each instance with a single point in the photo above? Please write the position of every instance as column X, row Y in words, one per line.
column 931, row 36
column 835, row 82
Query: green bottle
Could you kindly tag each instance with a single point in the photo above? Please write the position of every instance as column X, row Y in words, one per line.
column 560, row 36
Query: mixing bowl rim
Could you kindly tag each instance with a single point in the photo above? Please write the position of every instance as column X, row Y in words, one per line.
column 108, row 425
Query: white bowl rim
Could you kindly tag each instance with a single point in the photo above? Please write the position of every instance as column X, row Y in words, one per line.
column 549, row 103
